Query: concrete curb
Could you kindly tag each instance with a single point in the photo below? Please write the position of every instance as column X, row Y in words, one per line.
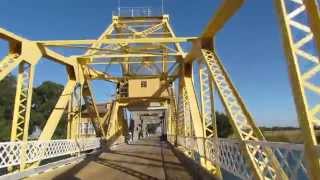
column 47, row 167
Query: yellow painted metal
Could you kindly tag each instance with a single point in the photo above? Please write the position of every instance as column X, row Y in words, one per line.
column 70, row 118
column 112, row 124
column 116, row 41
column 222, row 15
column 172, row 118
column 207, row 103
column 181, row 111
column 58, row 57
column 57, row 112
column 7, row 64
column 22, row 106
column 195, row 116
column 172, row 35
column 21, row 115
column 74, row 115
column 89, row 100
column 80, row 73
column 226, row 10
column 103, row 36
column 131, row 55
column 56, row 115
column 27, row 51
column 208, row 114
column 189, row 118
column 165, row 58
column 150, row 30
column 242, row 122
column 301, row 80
column 312, row 9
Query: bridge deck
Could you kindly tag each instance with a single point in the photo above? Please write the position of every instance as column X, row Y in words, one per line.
column 146, row 159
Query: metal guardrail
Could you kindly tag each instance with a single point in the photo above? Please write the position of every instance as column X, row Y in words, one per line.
column 137, row 12
column 12, row 153
column 227, row 154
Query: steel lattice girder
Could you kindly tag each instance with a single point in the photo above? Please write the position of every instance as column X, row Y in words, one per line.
column 263, row 162
column 298, row 57
column 208, row 114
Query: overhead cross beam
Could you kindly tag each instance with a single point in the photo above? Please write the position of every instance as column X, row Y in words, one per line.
column 117, row 41
column 226, row 10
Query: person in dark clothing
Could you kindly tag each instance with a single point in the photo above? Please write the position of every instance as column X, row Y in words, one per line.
column 140, row 135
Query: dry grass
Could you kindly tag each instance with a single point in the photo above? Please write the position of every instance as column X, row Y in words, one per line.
column 291, row 136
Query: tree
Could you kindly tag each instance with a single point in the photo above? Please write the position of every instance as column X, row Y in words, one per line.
column 44, row 99
column 7, row 95
column 223, row 126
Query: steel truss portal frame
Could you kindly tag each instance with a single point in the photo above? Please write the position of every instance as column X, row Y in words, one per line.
column 146, row 47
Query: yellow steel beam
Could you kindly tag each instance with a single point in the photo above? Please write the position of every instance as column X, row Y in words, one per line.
column 150, row 30
column 91, row 73
column 7, row 64
column 177, row 45
column 165, row 60
column 222, row 15
column 91, row 104
column 57, row 112
column 22, row 106
column 163, row 86
column 300, row 83
column 56, row 115
column 312, row 9
column 71, row 115
column 208, row 115
column 116, row 41
column 242, row 122
column 108, row 62
column 129, row 55
column 58, row 57
column 4, row 34
column 112, row 124
column 180, row 131
column 29, row 52
column 195, row 116
column 105, row 119
column 21, row 115
column 104, row 35
column 172, row 123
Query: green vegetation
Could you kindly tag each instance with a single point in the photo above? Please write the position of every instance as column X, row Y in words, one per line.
column 223, row 125
column 44, row 99
column 7, row 94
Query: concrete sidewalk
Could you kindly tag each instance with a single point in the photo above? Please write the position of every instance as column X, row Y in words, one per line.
column 146, row 159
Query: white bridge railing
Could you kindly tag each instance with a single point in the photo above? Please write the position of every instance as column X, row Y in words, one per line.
column 12, row 153
column 227, row 153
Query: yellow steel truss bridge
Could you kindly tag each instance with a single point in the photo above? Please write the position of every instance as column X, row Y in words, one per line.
column 157, row 74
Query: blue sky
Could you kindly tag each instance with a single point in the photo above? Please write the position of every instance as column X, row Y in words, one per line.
column 250, row 45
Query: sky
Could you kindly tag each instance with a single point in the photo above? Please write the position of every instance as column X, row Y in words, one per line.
column 249, row 46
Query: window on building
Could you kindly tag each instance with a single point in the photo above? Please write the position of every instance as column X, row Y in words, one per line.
column 143, row 84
